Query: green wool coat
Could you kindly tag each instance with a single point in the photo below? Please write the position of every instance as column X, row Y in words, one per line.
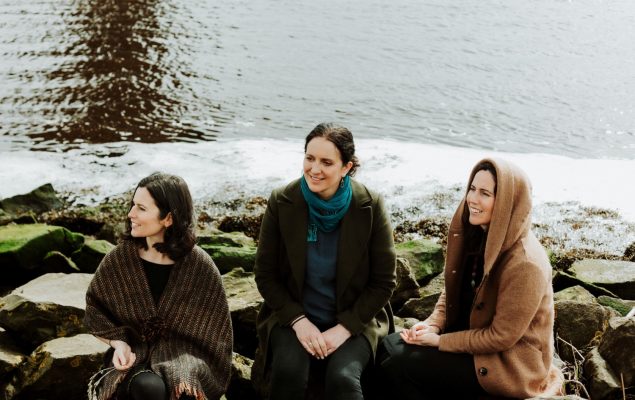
column 365, row 276
column 512, row 316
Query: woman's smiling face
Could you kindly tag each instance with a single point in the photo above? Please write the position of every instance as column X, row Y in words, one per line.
column 480, row 198
column 323, row 167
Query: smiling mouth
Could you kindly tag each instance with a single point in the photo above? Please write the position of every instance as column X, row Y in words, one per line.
column 475, row 211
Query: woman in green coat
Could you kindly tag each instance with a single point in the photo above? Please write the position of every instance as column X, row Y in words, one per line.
column 325, row 267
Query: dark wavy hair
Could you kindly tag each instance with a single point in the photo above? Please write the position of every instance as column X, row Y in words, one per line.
column 171, row 195
column 341, row 137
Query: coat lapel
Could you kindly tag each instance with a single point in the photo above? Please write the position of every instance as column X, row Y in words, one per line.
column 294, row 217
column 354, row 236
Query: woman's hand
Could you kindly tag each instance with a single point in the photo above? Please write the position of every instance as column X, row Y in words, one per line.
column 310, row 338
column 335, row 337
column 123, row 357
column 421, row 334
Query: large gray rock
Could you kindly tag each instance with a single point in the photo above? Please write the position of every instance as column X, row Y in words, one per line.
column 617, row 347
column 562, row 280
column 244, row 303
column 24, row 247
column 38, row 201
column 578, row 324
column 434, row 287
column 59, row 369
column 10, row 358
column 407, row 286
column 614, row 275
column 420, row 308
column 602, row 382
column 425, row 258
column 575, row 293
column 46, row 308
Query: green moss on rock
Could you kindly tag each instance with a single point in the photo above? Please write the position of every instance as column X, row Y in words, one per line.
column 90, row 254
column 425, row 257
column 227, row 258
column 24, row 247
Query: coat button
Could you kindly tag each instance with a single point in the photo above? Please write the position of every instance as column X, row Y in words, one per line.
column 482, row 371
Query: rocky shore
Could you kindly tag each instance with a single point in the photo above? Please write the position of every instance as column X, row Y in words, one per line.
column 49, row 250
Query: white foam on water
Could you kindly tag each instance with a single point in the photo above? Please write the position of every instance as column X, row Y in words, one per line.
column 226, row 170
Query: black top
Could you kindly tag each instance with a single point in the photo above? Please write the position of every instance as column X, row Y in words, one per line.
column 157, row 275
column 471, row 277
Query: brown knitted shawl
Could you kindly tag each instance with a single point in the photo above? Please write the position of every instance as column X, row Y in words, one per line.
column 186, row 338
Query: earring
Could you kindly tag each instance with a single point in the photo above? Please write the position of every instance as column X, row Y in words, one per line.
column 342, row 181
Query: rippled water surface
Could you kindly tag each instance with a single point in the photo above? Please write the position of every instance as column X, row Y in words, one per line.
column 544, row 76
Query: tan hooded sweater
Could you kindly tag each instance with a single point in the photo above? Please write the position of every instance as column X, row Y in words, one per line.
column 511, row 320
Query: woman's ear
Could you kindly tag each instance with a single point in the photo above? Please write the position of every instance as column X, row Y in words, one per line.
column 346, row 168
column 167, row 221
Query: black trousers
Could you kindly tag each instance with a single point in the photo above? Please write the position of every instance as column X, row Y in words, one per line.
column 417, row 372
column 144, row 384
column 291, row 365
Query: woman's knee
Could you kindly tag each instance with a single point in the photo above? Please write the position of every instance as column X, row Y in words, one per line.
column 146, row 386
column 343, row 380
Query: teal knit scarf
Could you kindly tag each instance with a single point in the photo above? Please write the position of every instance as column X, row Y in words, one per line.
column 325, row 215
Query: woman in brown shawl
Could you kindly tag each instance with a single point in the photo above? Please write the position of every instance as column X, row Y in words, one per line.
column 158, row 301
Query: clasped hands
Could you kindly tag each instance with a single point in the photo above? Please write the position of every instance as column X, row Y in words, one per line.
column 421, row 334
column 320, row 344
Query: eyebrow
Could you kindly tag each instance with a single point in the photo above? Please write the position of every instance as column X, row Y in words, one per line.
column 481, row 189
column 323, row 159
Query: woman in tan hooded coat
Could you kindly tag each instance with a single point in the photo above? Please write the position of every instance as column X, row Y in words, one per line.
column 491, row 331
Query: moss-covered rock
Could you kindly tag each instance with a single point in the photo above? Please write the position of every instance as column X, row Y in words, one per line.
column 39, row 200
column 88, row 257
column 220, row 238
column 244, row 302
column 618, row 305
column 425, row 258
column 227, row 258
column 55, row 261
column 24, row 247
